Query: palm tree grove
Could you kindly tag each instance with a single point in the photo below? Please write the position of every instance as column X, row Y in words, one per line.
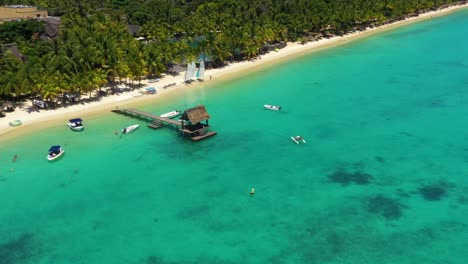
column 94, row 47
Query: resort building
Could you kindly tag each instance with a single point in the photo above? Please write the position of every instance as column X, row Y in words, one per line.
column 17, row 12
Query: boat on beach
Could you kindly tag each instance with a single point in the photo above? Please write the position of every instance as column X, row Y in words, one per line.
column 55, row 152
column 15, row 123
column 129, row 129
column 298, row 139
column 151, row 90
column 75, row 124
column 272, row 107
column 172, row 114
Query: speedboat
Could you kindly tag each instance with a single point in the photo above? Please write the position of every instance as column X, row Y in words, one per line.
column 272, row 107
column 298, row 139
column 129, row 129
column 55, row 152
column 172, row 114
column 75, row 124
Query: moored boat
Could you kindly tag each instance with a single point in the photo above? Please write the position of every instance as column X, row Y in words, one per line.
column 272, row 107
column 75, row 124
column 55, row 152
column 129, row 129
column 298, row 139
column 172, row 114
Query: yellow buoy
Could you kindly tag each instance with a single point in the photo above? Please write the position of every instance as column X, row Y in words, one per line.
column 252, row 192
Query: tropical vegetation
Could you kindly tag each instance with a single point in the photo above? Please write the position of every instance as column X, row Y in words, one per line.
column 94, row 46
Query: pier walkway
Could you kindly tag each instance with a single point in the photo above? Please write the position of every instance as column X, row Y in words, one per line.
column 147, row 116
column 195, row 132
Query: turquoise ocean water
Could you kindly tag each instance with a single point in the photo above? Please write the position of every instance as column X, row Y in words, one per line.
column 382, row 179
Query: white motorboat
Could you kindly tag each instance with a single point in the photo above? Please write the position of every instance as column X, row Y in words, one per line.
column 298, row 139
column 55, row 152
column 172, row 114
column 75, row 124
column 272, row 107
column 129, row 129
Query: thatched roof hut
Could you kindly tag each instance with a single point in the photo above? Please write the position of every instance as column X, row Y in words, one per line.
column 196, row 114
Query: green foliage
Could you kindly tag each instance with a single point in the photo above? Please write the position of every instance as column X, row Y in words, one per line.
column 95, row 48
column 20, row 30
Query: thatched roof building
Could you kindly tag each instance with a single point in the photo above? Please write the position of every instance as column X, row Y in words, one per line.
column 51, row 28
column 196, row 114
column 13, row 48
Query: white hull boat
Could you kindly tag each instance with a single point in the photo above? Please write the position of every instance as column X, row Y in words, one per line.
column 129, row 129
column 298, row 139
column 75, row 124
column 272, row 107
column 55, row 152
column 172, row 114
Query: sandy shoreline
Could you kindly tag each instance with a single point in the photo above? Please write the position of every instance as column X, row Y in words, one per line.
column 37, row 120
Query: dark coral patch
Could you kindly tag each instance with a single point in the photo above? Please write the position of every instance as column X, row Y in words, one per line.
column 386, row 207
column 379, row 159
column 154, row 260
column 18, row 250
column 433, row 192
column 345, row 178
column 191, row 213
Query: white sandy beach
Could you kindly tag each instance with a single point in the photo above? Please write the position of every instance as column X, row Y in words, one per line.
column 44, row 118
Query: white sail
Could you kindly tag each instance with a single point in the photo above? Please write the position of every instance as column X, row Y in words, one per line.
column 191, row 71
column 201, row 71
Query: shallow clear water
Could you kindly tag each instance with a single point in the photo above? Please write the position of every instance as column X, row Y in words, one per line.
column 382, row 178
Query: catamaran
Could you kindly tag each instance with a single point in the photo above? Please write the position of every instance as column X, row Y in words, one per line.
column 129, row 129
column 191, row 71
column 55, row 152
column 75, row 124
column 200, row 75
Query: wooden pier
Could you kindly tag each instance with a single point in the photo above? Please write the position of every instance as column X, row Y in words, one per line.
column 190, row 124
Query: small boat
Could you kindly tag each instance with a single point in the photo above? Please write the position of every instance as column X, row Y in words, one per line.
column 75, row 124
column 172, row 114
column 298, row 139
column 272, row 107
column 153, row 80
column 129, row 129
column 151, row 90
column 15, row 123
column 55, row 152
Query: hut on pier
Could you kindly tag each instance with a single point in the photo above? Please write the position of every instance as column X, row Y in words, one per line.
column 194, row 123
